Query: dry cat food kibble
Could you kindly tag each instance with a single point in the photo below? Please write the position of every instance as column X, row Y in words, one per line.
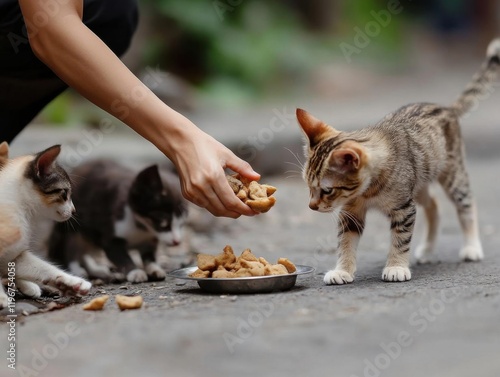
column 227, row 265
column 97, row 303
column 253, row 194
column 128, row 302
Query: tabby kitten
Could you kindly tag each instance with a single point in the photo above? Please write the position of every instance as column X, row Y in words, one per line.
column 389, row 167
column 33, row 188
column 119, row 210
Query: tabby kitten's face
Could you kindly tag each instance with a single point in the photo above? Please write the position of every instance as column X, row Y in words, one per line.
column 335, row 167
column 157, row 206
column 52, row 185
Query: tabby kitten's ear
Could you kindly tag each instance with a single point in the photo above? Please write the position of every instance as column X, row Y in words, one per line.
column 313, row 128
column 45, row 161
column 345, row 160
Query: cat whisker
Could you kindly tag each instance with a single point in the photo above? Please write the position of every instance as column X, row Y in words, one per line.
column 300, row 163
column 295, row 164
column 339, row 220
column 354, row 220
column 294, row 171
column 70, row 223
column 293, row 174
column 78, row 179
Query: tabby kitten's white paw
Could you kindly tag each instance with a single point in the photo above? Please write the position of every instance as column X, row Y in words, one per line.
column 396, row 273
column 137, row 276
column 334, row 277
column 424, row 253
column 28, row 288
column 472, row 253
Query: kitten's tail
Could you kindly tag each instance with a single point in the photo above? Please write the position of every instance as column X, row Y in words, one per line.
column 482, row 82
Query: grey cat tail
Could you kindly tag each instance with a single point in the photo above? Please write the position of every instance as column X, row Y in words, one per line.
column 481, row 85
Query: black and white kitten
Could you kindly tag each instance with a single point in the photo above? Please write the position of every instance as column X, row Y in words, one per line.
column 120, row 210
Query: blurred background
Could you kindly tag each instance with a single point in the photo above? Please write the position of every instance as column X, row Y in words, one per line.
column 233, row 66
column 240, row 52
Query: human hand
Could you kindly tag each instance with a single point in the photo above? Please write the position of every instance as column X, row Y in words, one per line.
column 200, row 161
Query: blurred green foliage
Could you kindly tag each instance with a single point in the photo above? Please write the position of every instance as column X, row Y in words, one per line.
column 241, row 50
column 235, row 51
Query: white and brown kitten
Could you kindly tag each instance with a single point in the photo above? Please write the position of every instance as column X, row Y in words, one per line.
column 120, row 209
column 33, row 188
column 389, row 167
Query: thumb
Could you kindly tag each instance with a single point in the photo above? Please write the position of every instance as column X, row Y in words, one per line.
column 242, row 167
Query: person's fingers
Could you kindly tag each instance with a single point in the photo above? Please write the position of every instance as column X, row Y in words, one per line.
column 242, row 167
column 217, row 207
column 206, row 197
column 229, row 200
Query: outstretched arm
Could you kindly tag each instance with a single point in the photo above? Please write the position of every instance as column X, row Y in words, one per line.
column 62, row 41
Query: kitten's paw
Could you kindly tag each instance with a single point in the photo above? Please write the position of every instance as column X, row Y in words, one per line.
column 396, row 273
column 424, row 253
column 472, row 253
column 137, row 276
column 117, row 277
column 77, row 270
column 28, row 288
column 155, row 272
column 338, row 277
column 72, row 285
column 101, row 272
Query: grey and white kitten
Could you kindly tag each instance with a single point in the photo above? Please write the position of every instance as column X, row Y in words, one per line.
column 389, row 167
column 120, row 209
column 33, row 188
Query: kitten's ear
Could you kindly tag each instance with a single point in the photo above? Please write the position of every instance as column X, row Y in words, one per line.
column 315, row 129
column 4, row 151
column 150, row 177
column 45, row 161
column 345, row 160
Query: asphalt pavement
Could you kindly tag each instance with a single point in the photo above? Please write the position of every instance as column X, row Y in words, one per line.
column 444, row 322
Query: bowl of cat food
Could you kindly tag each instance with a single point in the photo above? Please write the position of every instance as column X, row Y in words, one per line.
column 226, row 273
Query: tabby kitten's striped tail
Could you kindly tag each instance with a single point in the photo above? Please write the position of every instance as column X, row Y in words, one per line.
column 482, row 82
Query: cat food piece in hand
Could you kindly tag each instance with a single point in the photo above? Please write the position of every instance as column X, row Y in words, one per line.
column 128, row 302
column 97, row 303
column 227, row 265
column 256, row 196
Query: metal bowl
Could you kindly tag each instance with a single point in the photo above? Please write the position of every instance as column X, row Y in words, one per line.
column 254, row 284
